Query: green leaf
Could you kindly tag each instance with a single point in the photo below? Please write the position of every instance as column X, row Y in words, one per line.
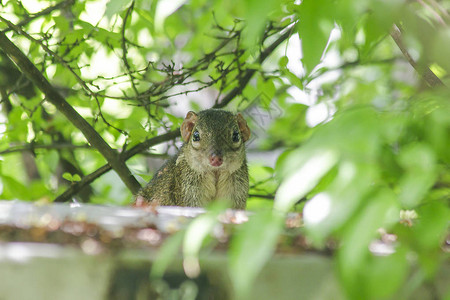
column 441, row 46
column 356, row 238
column 115, row 6
column 305, row 178
column 67, row 176
column 13, row 189
column 266, row 87
column 388, row 271
column 383, row 14
column 196, row 233
column 252, row 247
column 145, row 15
column 256, row 16
column 63, row 24
column 294, row 79
column 419, row 162
column 165, row 8
column 314, row 27
column 50, row 161
column 167, row 253
column 433, row 222
column 176, row 122
column 283, row 61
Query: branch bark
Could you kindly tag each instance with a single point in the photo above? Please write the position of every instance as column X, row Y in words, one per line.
column 53, row 96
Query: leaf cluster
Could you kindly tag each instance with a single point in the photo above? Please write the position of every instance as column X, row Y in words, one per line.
column 352, row 95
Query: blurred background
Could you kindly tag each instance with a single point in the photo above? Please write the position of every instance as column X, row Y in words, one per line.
column 348, row 102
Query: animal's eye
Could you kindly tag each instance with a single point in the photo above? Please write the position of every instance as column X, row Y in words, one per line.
column 196, row 136
column 235, row 136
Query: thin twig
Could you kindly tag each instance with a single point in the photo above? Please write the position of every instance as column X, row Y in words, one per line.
column 19, row 30
column 86, row 180
column 428, row 76
column 54, row 97
column 125, row 50
column 250, row 72
column 42, row 13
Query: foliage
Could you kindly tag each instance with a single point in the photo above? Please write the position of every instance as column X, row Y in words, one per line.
column 360, row 111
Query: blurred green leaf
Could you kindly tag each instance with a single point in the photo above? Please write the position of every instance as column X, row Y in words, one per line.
column 283, row 61
column 294, row 118
column 380, row 20
column 299, row 183
column 166, row 254
column 314, row 28
column 357, row 236
column 165, row 8
column 343, row 197
column 389, row 271
column 62, row 24
column 256, row 18
column 252, row 247
column 381, row 144
column 196, row 233
column 13, row 189
column 115, row 6
column 432, row 225
column 293, row 78
column 419, row 162
column 440, row 44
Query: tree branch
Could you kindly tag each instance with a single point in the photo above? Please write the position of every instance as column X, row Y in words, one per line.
column 83, row 83
column 86, row 180
column 43, row 12
column 53, row 96
column 125, row 50
column 250, row 72
column 70, row 192
column 428, row 76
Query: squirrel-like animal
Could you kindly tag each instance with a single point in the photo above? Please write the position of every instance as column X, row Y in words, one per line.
column 211, row 164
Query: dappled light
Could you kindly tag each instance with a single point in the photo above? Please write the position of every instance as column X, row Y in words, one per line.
column 224, row 149
column 317, row 209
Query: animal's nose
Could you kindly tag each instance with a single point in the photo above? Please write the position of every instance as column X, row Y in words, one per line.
column 215, row 159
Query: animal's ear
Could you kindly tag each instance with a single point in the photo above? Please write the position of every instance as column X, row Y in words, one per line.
column 188, row 125
column 243, row 127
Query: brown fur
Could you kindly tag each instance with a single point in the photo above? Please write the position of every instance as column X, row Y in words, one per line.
column 189, row 179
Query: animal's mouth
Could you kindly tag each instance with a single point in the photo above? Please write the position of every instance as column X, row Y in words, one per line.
column 216, row 167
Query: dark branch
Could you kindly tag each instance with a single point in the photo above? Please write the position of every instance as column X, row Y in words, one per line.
column 54, row 97
column 250, row 72
column 86, row 180
column 66, row 65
